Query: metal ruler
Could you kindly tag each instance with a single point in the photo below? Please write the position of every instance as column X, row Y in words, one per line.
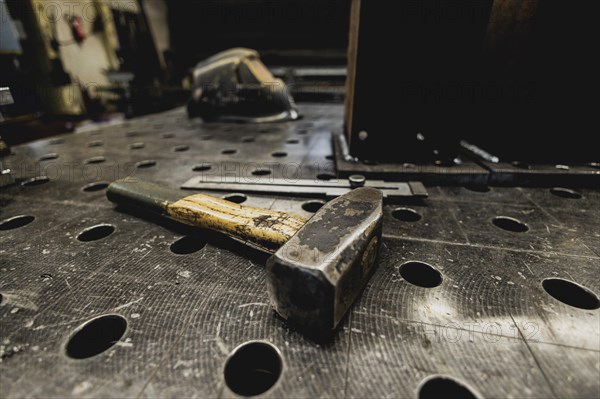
column 329, row 189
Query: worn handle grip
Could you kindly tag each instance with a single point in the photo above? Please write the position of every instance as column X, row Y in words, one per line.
column 263, row 228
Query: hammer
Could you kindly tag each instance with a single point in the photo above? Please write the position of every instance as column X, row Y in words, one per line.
column 318, row 266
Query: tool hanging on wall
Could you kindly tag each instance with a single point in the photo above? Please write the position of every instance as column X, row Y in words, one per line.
column 77, row 30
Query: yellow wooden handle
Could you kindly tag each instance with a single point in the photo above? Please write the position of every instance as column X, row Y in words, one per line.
column 263, row 228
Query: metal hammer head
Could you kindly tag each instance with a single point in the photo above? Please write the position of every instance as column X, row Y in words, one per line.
column 315, row 277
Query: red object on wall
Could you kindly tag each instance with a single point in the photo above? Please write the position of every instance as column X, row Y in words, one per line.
column 77, row 28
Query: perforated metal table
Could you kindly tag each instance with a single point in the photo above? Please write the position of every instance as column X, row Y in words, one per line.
column 461, row 298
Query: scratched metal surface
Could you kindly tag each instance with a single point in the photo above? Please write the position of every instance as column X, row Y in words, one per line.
column 489, row 325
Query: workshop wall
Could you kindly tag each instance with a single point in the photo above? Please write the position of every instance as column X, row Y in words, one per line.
column 85, row 61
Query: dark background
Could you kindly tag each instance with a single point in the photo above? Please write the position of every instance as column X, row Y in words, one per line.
column 300, row 32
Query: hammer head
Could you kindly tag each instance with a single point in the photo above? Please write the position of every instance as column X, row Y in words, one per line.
column 315, row 277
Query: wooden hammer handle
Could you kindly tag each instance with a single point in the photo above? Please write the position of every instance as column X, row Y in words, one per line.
column 262, row 228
